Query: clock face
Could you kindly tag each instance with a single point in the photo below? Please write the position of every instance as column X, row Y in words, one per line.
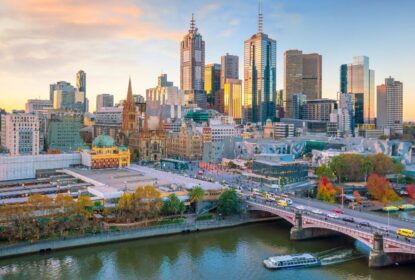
column 186, row 56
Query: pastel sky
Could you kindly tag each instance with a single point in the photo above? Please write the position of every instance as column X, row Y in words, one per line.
column 44, row 41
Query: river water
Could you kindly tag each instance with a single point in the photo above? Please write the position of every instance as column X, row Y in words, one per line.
column 234, row 253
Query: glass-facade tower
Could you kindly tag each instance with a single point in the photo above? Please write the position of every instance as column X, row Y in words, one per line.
column 260, row 75
column 357, row 79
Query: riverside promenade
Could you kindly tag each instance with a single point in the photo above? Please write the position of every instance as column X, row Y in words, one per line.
column 48, row 245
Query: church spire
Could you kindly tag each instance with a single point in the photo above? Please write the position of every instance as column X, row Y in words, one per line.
column 129, row 92
column 259, row 18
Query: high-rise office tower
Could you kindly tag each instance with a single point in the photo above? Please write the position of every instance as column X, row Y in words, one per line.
column 260, row 75
column 212, row 81
column 389, row 105
column 104, row 100
column 357, row 79
column 165, row 99
column 233, row 99
column 302, row 74
column 81, row 86
column 192, row 66
column 230, row 68
column 298, row 102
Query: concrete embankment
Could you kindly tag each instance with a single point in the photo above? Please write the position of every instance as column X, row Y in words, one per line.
column 107, row 237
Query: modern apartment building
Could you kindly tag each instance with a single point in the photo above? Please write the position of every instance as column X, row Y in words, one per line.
column 390, row 105
column 20, row 134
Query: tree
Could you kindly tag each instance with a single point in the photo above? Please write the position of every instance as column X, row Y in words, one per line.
column 325, row 170
column 248, row 164
column 357, row 196
column 326, row 191
column 39, row 201
column 173, row 205
column 411, row 190
column 367, row 167
column 64, row 200
column 196, row 194
column 228, row 203
column 147, row 202
column 82, row 203
column 339, row 166
column 125, row 205
column 232, row 165
column 382, row 164
column 380, row 188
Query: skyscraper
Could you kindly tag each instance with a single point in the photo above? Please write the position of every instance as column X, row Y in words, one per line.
column 233, row 99
column 81, row 86
column 192, row 66
column 302, row 74
column 260, row 75
column 389, row 105
column 104, row 100
column 357, row 79
column 212, row 81
column 230, row 68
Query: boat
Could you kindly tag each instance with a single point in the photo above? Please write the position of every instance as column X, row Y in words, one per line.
column 390, row 209
column 291, row 261
column 406, row 207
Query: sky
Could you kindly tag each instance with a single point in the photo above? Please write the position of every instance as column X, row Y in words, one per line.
column 44, row 41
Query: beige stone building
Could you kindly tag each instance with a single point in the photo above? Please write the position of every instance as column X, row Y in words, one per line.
column 302, row 74
column 187, row 144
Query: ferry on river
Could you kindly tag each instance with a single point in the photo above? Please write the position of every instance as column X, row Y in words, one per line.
column 291, row 261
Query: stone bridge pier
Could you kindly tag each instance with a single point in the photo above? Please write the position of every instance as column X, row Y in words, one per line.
column 379, row 258
column 298, row 232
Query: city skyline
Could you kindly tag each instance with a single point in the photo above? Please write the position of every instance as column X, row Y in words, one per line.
column 142, row 40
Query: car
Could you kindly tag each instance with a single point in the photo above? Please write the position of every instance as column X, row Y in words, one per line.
column 299, row 207
column 316, row 211
column 338, row 211
column 333, row 215
column 348, row 219
column 364, row 224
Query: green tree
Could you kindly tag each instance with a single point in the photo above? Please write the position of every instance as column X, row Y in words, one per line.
column 228, row 203
column 196, row 194
column 173, row 205
column 325, row 170
column 367, row 167
column 382, row 164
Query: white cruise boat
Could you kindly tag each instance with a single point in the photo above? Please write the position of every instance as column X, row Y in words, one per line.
column 291, row 261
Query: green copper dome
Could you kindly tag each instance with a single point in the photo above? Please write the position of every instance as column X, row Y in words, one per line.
column 103, row 141
column 122, row 148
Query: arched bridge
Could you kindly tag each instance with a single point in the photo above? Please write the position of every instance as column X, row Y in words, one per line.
column 385, row 251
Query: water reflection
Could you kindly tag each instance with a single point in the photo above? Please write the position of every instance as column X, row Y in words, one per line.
column 234, row 253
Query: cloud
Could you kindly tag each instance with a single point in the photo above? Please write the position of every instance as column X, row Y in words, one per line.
column 79, row 19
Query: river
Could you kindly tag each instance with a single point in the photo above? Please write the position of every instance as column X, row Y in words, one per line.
column 234, row 253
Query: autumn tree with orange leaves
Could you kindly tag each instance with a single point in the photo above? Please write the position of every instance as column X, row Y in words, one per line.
column 326, row 191
column 380, row 188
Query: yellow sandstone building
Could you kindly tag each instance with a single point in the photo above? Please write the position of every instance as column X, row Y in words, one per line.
column 105, row 154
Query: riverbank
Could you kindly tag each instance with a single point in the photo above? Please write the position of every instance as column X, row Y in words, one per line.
column 43, row 246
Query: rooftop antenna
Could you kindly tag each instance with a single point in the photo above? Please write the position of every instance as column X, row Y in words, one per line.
column 259, row 18
column 192, row 24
